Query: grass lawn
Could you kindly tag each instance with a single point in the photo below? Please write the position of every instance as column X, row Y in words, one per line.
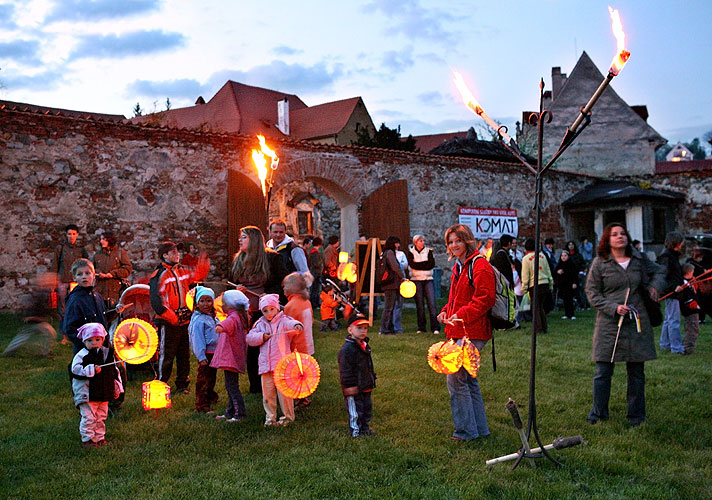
column 183, row 455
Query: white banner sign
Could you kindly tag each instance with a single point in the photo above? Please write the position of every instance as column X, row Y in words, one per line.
column 489, row 222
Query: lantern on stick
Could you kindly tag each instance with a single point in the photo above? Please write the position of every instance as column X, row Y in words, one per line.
column 135, row 341
column 407, row 289
column 445, row 357
column 156, row 395
column 297, row 375
column 347, row 272
column 470, row 357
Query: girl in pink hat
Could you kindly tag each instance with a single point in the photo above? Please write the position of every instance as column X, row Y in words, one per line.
column 273, row 333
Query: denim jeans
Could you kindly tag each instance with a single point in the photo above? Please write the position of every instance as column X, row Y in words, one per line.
column 466, row 404
column 670, row 336
column 635, row 394
column 387, row 318
column 398, row 314
column 426, row 290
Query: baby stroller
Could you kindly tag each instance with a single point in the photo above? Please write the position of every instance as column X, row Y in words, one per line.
column 135, row 302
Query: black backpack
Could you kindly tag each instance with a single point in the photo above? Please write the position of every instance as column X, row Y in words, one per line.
column 383, row 273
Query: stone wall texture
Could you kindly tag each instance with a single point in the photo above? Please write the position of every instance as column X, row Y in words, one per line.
column 151, row 184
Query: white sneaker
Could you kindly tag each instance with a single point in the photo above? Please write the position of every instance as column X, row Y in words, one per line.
column 564, row 317
column 436, row 332
column 573, row 317
column 419, row 331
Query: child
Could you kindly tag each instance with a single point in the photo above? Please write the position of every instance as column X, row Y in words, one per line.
column 92, row 385
column 329, row 303
column 231, row 352
column 203, row 341
column 84, row 305
column 273, row 333
column 357, row 376
column 690, row 310
column 299, row 308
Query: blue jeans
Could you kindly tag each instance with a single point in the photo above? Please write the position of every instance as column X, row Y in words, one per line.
column 387, row 318
column 468, row 409
column 398, row 314
column 670, row 336
column 635, row 394
column 426, row 290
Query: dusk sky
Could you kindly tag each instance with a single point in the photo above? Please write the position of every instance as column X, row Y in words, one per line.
column 107, row 55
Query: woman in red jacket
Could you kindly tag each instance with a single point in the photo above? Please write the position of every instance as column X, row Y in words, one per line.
column 465, row 315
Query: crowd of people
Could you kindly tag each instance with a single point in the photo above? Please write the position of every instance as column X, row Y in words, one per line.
column 279, row 283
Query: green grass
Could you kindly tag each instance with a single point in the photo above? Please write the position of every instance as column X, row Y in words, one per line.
column 184, row 455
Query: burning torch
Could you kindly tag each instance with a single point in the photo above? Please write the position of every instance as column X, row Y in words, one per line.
column 265, row 175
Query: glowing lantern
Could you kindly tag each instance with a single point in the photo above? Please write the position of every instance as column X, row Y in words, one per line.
column 190, row 298
column 470, row 357
column 72, row 285
column 343, row 257
column 347, row 272
column 407, row 289
column 296, row 375
column 445, row 357
column 218, row 304
column 135, row 341
column 156, row 395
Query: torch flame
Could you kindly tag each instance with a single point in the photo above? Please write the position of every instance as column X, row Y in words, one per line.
column 622, row 54
column 467, row 96
column 267, row 151
column 261, row 165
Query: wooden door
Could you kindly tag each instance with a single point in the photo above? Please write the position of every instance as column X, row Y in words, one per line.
column 245, row 207
column 385, row 212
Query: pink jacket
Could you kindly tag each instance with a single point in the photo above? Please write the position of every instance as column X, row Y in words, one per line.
column 231, row 352
column 277, row 346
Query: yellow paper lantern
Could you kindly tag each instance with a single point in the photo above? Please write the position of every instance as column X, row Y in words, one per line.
column 156, row 395
column 218, row 304
column 407, row 289
column 347, row 272
column 190, row 298
column 343, row 257
column 445, row 357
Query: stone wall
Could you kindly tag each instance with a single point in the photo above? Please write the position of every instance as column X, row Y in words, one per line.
column 150, row 184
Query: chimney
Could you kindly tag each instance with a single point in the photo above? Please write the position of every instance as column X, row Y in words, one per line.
column 557, row 81
column 283, row 116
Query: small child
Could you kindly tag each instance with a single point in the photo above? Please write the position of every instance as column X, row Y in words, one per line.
column 92, row 385
column 203, row 341
column 358, row 378
column 231, row 352
column 690, row 309
column 273, row 333
column 298, row 307
column 329, row 303
column 84, row 305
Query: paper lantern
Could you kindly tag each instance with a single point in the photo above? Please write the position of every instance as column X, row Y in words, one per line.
column 218, row 304
column 343, row 257
column 72, row 285
column 470, row 357
column 296, row 375
column 190, row 298
column 407, row 289
column 445, row 357
column 156, row 395
column 135, row 341
column 347, row 272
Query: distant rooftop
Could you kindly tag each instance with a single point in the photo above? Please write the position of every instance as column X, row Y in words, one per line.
column 46, row 110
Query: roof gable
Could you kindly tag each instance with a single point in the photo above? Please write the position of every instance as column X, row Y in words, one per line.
column 322, row 120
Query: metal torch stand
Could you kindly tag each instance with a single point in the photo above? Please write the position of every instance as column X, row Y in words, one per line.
column 569, row 137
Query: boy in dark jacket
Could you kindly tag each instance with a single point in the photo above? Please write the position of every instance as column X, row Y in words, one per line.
column 84, row 304
column 357, row 376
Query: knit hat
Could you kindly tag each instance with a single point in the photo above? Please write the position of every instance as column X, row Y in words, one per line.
column 271, row 299
column 203, row 290
column 90, row 330
column 234, row 298
column 358, row 319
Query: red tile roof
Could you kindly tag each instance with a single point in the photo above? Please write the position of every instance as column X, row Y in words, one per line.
column 426, row 143
column 46, row 110
column 321, row 120
column 674, row 167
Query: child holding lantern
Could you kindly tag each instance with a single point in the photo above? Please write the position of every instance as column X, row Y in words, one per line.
column 273, row 333
column 299, row 308
column 93, row 385
column 203, row 342
column 329, row 303
column 231, row 352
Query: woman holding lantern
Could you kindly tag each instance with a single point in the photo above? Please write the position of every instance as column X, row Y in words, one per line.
column 256, row 270
column 472, row 295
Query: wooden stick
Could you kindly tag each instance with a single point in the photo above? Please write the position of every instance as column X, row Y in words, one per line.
column 620, row 324
column 689, row 283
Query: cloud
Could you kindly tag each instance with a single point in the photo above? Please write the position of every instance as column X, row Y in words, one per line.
column 46, row 80
column 415, row 22
column 126, row 44
column 397, row 61
column 7, row 13
column 278, row 75
column 24, row 52
column 184, row 88
column 283, row 50
column 95, row 10
column 432, row 98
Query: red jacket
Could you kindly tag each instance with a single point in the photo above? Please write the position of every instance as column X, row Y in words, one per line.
column 471, row 304
column 169, row 284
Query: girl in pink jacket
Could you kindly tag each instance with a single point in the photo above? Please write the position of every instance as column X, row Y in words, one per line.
column 273, row 333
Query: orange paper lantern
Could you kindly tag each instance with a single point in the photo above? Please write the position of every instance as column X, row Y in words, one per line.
column 347, row 272
column 407, row 289
column 445, row 357
column 156, row 395
column 190, row 298
column 470, row 357
column 218, row 304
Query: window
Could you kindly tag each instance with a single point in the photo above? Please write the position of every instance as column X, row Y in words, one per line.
column 659, row 229
column 304, row 222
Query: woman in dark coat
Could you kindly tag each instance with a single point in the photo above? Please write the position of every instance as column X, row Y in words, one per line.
column 566, row 277
column 580, row 264
column 614, row 282
column 256, row 270
column 390, row 288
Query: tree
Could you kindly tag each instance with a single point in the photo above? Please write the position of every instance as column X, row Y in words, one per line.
column 384, row 137
column 697, row 149
column 137, row 111
column 168, row 103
